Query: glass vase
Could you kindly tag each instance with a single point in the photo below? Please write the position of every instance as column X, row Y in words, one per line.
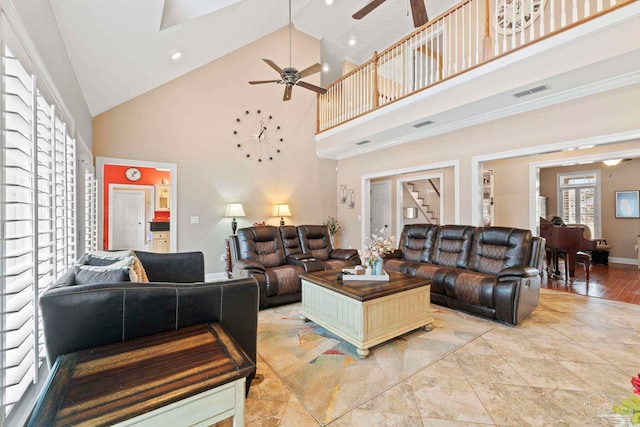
column 377, row 266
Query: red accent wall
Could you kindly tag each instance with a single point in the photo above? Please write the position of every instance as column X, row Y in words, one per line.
column 114, row 174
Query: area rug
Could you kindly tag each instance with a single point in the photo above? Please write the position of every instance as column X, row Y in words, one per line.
column 325, row 373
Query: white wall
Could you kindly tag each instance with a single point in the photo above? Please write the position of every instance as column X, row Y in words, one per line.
column 603, row 114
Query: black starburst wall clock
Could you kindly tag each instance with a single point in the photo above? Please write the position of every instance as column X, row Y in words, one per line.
column 258, row 136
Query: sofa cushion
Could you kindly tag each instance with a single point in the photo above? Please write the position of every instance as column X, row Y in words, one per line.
column 499, row 248
column 453, row 245
column 315, row 240
column 416, row 242
column 337, row 264
column 471, row 287
column 262, row 244
column 290, row 240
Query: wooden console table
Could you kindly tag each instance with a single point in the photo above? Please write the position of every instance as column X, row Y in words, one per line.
column 191, row 376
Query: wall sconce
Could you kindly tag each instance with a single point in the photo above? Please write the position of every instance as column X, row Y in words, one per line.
column 342, row 195
column 352, row 198
column 234, row 210
column 281, row 210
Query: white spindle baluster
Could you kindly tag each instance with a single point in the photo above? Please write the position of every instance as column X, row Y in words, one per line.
column 587, row 9
column 575, row 10
column 522, row 30
column 552, row 19
column 456, row 30
column 470, row 38
column 599, row 6
column 479, row 31
column 563, row 13
column 462, row 39
column 513, row 27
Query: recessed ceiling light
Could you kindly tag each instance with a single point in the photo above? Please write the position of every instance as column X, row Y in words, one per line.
column 325, row 67
column 176, row 55
column 328, row 2
column 352, row 41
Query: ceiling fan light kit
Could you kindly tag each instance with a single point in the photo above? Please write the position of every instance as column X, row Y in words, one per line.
column 290, row 76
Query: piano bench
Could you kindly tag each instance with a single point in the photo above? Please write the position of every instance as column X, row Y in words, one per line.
column 600, row 257
column 583, row 258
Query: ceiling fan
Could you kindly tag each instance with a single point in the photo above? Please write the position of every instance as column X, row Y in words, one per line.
column 290, row 76
column 418, row 10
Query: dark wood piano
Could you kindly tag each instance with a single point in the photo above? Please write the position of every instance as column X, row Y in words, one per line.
column 566, row 241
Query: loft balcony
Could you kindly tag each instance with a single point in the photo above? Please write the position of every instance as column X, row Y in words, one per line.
column 472, row 65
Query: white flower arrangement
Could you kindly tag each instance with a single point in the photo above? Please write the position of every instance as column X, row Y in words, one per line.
column 377, row 246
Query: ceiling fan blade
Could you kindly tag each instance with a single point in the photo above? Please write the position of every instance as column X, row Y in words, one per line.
column 367, row 9
column 419, row 12
column 315, row 68
column 258, row 82
column 287, row 92
column 273, row 65
column 314, row 88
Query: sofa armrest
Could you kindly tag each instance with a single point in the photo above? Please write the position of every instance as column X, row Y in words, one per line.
column 521, row 272
column 247, row 264
column 396, row 253
column 346, row 254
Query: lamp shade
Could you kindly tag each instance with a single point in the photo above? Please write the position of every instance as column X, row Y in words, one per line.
column 235, row 209
column 281, row 210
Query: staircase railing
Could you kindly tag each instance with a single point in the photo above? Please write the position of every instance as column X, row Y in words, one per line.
column 426, row 198
column 466, row 36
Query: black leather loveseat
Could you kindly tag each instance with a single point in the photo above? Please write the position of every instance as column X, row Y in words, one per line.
column 490, row 271
column 78, row 317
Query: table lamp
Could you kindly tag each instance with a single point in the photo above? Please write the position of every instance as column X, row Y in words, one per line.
column 234, row 210
column 282, row 211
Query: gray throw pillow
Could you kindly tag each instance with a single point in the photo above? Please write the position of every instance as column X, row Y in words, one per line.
column 86, row 275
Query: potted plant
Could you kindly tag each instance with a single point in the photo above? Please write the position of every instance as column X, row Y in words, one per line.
column 333, row 226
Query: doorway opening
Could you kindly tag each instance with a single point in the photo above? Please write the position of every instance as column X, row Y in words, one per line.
column 136, row 173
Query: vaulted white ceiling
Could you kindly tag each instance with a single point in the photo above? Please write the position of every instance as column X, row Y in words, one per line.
column 120, row 49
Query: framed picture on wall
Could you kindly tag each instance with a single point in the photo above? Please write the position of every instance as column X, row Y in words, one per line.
column 627, row 204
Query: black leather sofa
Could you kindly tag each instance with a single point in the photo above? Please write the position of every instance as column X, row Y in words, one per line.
column 490, row 271
column 78, row 317
column 276, row 256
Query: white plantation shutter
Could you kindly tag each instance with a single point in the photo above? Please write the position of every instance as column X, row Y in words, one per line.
column 90, row 213
column 37, row 234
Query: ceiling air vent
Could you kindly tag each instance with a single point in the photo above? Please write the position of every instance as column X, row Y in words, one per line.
column 531, row 91
column 419, row 125
column 366, row 141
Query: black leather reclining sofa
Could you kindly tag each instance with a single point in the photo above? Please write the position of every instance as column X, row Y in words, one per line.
column 78, row 317
column 276, row 256
column 490, row 271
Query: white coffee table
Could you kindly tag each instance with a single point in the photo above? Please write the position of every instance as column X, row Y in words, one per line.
column 366, row 313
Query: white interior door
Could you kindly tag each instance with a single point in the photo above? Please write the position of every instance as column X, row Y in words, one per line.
column 380, row 202
column 128, row 220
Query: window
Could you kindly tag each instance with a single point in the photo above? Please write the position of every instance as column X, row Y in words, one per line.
column 38, row 222
column 579, row 199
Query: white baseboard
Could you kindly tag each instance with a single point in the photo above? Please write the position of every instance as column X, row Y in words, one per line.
column 215, row 276
column 630, row 261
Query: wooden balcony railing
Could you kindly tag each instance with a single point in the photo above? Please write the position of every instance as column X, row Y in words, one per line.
column 466, row 36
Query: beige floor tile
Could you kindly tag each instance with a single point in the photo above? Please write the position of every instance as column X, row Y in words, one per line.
column 270, row 388
column 486, row 369
column 365, row 418
column 603, row 378
column 263, row 412
column 510, row 405
column 614, row 353
column 449, row 398
column 433, row 422
column 399, row 400
column 295, row 415
column 567, row 351
column 548, row 374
